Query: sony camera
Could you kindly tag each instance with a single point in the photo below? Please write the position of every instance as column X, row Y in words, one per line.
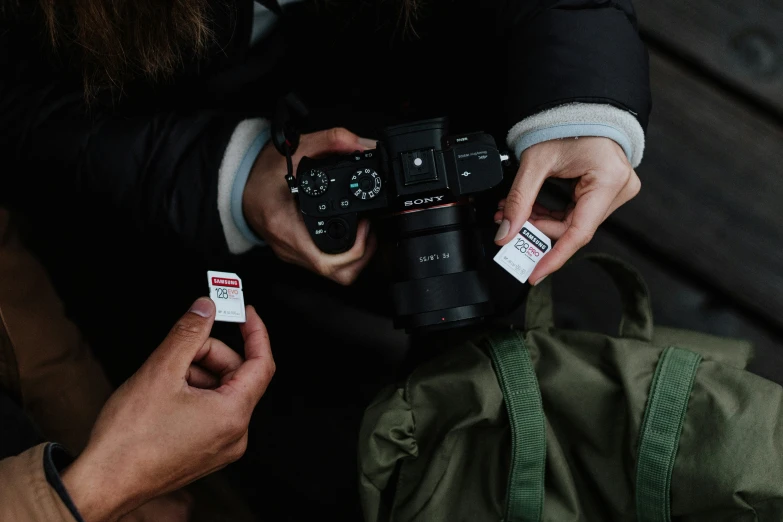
column 417, row 186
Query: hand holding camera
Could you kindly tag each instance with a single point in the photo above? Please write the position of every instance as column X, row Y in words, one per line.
column 273, row 214
column 418, row 186
column 604, row 182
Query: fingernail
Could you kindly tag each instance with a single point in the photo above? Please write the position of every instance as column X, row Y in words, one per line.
column 505, row 225
column 539, row 281
column 499, row 221
column 367, row 143
column 202, row 307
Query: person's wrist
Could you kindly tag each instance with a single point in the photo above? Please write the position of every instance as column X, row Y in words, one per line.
column 99, row 490
column 255, row 186
column 249, row 196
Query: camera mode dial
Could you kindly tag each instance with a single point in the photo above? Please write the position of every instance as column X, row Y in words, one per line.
column 365, row 183
column 314, row 182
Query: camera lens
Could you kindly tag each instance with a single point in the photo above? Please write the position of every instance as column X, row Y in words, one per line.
column 435, row 262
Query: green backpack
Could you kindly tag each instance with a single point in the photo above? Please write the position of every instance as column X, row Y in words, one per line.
column 557, row 425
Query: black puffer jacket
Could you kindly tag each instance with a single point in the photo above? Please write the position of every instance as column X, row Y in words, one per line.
column 153, row 153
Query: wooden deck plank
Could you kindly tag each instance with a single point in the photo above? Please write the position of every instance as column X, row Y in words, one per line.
column 740, row 42
column 712, row 194
column 679, row 302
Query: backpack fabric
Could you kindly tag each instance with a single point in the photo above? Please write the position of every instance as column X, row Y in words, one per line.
column 654, row 424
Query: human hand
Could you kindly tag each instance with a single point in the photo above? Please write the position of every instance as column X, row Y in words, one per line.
column 181, row 416
column 604, row 182
column 172, row 507
column 271, row 210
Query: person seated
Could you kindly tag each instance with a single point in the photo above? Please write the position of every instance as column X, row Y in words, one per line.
column 160, row 112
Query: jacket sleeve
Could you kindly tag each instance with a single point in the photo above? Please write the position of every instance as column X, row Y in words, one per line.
column 158, row 169
column 153, row 160
column 569, row 51
column 26, row 494
column 575, row 120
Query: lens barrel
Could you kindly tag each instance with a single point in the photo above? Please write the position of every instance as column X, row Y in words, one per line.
column 435, row 259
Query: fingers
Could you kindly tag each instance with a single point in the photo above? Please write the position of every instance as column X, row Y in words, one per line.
column 564, row 248
column 581, row 223
column 498, row 217
column 604, row 181
column 348, row 265
column 347, row 275
column 251, row 379
column 200, row 378
column 296, row 246
column 629, row 191
column 358, row 249
column 217, row 358
column 187, row 337
column 551, row 227
column 256, row 337
column 332, row 141
column 587, row 215
column 519, row 202
column 344, row 268
column 538, row 211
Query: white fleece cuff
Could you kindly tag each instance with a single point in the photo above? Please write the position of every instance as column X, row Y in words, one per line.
column 575, row 120
column 246, row 142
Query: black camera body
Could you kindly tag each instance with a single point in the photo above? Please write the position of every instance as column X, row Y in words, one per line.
column 415, row 167
column 418, row 182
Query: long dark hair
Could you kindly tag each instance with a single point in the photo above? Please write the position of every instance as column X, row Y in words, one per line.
column 122, row 39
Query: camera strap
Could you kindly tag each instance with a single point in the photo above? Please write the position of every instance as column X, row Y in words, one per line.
column 289, row 177
column 290, row 114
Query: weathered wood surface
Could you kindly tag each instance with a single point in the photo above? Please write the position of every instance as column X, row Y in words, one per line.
column 712, row 195
column 677, row 300
column 738, row 41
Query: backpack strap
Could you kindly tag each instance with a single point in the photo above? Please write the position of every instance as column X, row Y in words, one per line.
column 660, row 433
column 637, row 319
column 517, row 378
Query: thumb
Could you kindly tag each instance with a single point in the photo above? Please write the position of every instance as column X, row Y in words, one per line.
column 188, row 335
column 252, row 377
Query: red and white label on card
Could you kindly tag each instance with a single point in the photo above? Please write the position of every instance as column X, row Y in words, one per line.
column 522, row 254
column 225, row 289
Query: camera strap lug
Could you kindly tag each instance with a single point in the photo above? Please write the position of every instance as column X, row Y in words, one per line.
column 291, row 180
